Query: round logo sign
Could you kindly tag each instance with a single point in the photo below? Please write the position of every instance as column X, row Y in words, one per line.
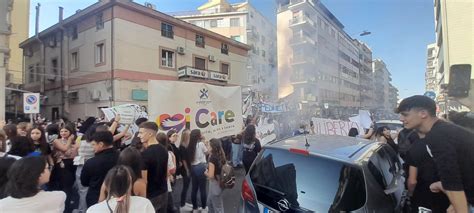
column 31, row 99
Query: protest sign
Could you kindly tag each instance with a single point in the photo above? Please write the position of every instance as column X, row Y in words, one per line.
column 334, row 127
column 215, row 110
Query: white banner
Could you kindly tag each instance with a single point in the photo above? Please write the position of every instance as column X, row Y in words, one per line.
column 129, row 113
column 215, row 110
column 334, row 127
column 265, row 131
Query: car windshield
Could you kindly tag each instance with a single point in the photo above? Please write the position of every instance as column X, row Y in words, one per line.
column 391, row 126
column 308, row 183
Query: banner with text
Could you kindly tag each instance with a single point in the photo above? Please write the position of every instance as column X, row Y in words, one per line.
column 334, row 127
column 215, row 110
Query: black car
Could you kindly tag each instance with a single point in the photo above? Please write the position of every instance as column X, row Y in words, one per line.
column 310, row 173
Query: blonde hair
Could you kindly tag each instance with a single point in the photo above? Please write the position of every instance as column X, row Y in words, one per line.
column 118, row 184
column 185, row 136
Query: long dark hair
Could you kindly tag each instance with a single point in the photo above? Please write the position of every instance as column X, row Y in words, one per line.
column 23, row 177
column 194, row 138
column 52, row 129
column 169, row 134
column 379, row 131
column 71, row 128
column 118, row 183
column 249, row 134
column 217, row 151
column 5, row 164
column 353, row 132
column 21, row 146
column 86, row 125
column 10, row 130
column 132, row 158
column 43, row 145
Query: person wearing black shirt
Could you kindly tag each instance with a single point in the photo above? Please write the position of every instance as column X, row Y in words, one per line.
column 213, row 173
column 155, row 159
column 96, row 168
column 422, row 174
column 450, row 146
column 251, row 146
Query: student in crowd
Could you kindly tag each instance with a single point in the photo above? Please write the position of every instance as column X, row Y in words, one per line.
column 5, row 164
column 172, row 140
column 163, row 139
column 22, row 129
column 119, row 198
column 63, row 174
column 21, row 147
column 197, row 151
column 10, row 131
column 216, row 161
column 96, row 168
column 251, row 146
column 52, row 133
column 449, row 145
column 382, row 134
column 25, row 178
column 155, row 169
column 185, row 170
column 85, row 152
column 421, row 175
column 37, row 137
column 132, row 158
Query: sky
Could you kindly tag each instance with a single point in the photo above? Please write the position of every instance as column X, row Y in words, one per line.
column 401, row 29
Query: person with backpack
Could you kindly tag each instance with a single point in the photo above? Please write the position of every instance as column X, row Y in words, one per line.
column 251, row 146
column 216, row 161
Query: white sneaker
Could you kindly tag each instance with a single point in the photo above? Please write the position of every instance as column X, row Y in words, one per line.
column 186, row 208
column 204, row 210
column 189, row 205
column 196, row 211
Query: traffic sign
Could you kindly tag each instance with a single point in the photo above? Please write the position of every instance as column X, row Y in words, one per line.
column 31, row 103
column 430, row 94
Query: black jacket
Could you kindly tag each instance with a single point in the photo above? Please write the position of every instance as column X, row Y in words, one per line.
column 94, row 172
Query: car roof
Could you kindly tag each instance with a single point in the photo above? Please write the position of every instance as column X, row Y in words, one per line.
column 389, row 121
column 342, row 148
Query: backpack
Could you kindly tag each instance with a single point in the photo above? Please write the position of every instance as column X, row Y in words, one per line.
column 227, row 177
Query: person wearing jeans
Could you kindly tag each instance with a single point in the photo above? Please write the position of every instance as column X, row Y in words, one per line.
column 199, row 183
column 236, row 152
column 196, row 153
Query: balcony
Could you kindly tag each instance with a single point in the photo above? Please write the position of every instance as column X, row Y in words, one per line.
column 302, row 60
column 302, row 38
column 296, row 5
column 189, row 73
column 302, row 20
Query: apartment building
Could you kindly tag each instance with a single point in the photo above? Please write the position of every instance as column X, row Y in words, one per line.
column 454, row 41
column 430, row 74
column 242, row 22
column 14, row 23
column 105, row 54
column 392, row 97
column 318, row 62
column 382, row 79
column 366, row 80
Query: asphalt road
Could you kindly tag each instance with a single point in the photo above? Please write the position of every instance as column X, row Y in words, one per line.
column 231, row 197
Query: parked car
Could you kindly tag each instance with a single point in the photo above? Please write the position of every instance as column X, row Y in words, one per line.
column 324, row 174
column 393, row 125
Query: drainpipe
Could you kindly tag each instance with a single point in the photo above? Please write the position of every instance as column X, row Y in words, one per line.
column 61, row 60
column 112, row 72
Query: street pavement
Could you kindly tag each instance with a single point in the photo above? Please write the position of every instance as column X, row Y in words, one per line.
column 231, row 197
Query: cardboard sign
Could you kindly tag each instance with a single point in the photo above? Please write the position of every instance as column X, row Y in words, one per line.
column 334, row 127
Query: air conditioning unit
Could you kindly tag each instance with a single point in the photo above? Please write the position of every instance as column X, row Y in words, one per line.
column 150, row 5
column 51, row 78
column 95, row 95
column 211, row 58
column 73, row 95
column 180, row 50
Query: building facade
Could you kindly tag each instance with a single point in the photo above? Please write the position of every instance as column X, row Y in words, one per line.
column 14, row 23
column 366, row 80
column 392, row 98
column 454, row 41
column 430, row 74
column 318, row 63
column 104, row 55
column 382, row 79
column 242, row 22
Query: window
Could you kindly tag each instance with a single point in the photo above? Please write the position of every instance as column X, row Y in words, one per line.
column 167, row 30
column 99, row 22
column 167, row 58
column 74, row 32
column 224, row 49
column 38, row 72
column 213, row 23
column 74, row 61
column 263, row 53
column 225, row 68
column 236, row 38
column 200, row 63
column 263, row 40
column 31, row 73
column 235, row 22
column 100, row 53
column 200, row 41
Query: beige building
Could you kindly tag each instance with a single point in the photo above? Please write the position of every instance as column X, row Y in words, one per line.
column 318, row 63
column 454, row 25
column 366, row 80
column 14, row 23
column 242, row 22
column 105, row 54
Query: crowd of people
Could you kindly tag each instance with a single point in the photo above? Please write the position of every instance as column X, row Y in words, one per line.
column 90, row 167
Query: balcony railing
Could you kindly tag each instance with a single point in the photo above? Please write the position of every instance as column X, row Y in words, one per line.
column 191, row 72
column 302, row 19
column 302, row 38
